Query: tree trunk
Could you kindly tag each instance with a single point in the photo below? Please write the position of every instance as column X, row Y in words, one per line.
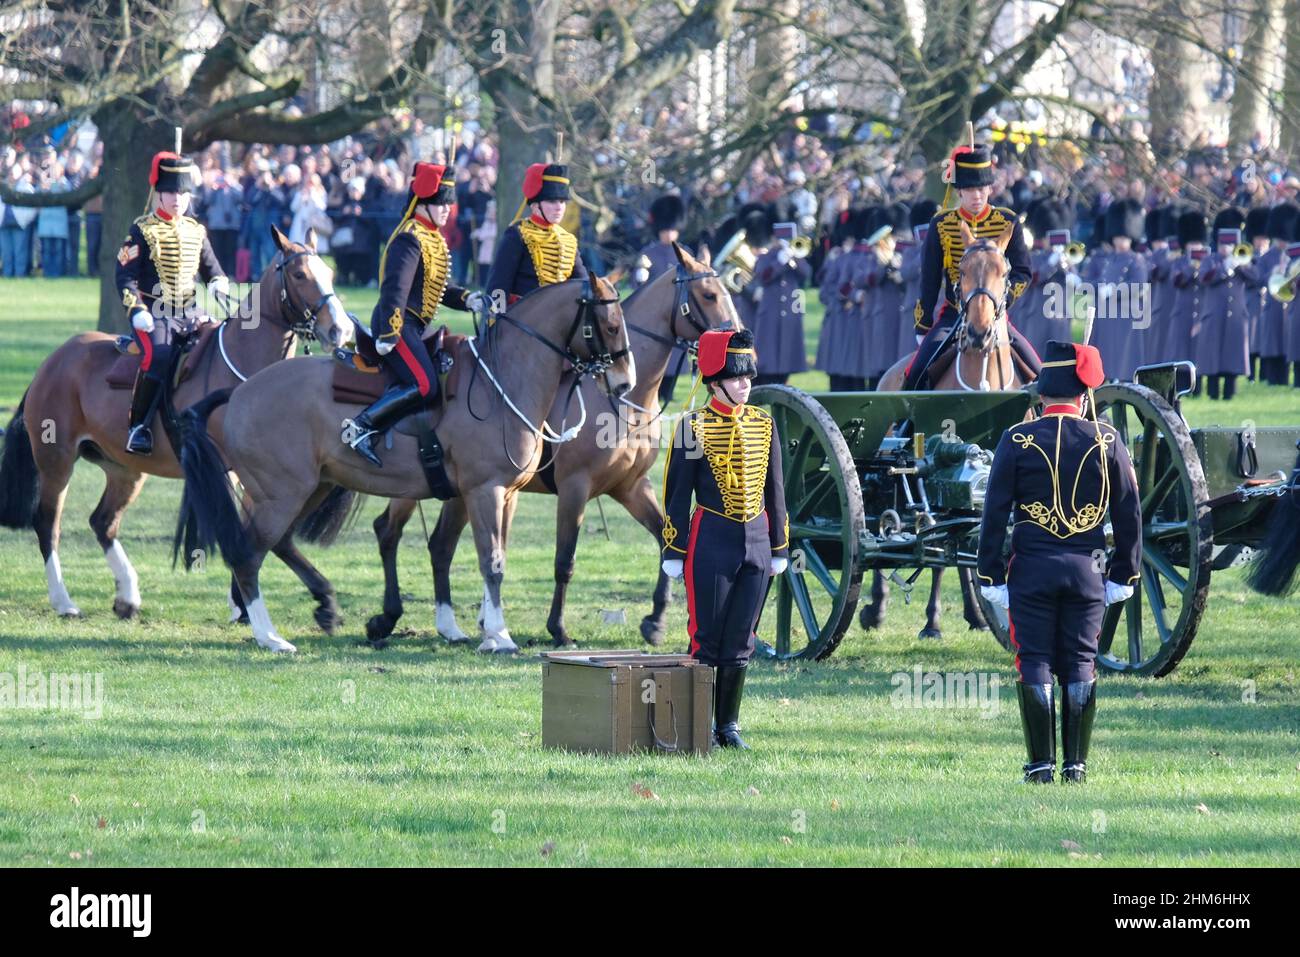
column 130, row 143
column 1249, row 95
column 1289, row 114
column 1178, row 95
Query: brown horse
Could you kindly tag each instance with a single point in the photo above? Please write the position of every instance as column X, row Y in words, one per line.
column 614, row 459
column 70, row 412
column 984, row 361
column 282, row 439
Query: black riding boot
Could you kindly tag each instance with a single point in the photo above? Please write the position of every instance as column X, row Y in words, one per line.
column 139, row 440
column 1078, row 708
column 727, row 691
column 360, row 433
column 1038, row 720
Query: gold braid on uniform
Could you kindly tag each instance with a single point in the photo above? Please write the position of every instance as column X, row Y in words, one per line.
column 1082, row 518
column 736, row 448
column 553, row 251
column 437, row 264
column 175, row 246
column 950, row 241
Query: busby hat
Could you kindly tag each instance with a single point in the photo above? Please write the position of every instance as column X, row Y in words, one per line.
column 889, row 220
column 756, row 221
column 1070, row 369
column 1154, row 222
column 1281, row 219
column 544, row 181
column 1191, row 227
column 1051, row 215
column 922, row 212
column 431, row 184
column 727, row 354
column 969, row 166
column 1124, row 218
column 866, row 222
column 1169, row 221
column 667, row 212
column 1229, row 218
column 1256, row 222
column 171, row 173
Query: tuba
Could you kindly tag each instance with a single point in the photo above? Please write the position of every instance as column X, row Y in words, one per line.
column 1281, row 285
column 737, row 262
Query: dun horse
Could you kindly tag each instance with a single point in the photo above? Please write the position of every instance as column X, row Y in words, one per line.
column 70, row 412
column 981, row 359
column 612, row 459
column 282, row 439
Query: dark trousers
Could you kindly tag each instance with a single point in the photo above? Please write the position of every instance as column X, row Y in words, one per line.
column 225, row 242
column 73, row 266
column 409, row 361
column 1229, row 384
column 939, row 332
column 54, row 257
column 726, row 576
column 156, row 348
column 94, row 232
column 1057, row 603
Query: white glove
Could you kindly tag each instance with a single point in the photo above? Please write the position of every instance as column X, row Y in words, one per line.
column 475, row 301
column 996, row 595
column 673, row 567
column 920, row 338
column 220, row 286
column 1117, row 593
column 142, row 320
column 385, row 346
column 779, row 565
column 641, row 276
column 783, row 255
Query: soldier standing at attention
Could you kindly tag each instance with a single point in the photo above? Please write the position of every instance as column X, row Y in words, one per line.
column 727, row 457
column 162, row 255
column 837, row 332
column 884, row 346
column 970, row 172
column 1057, row 478
column 656, row 258
column 1178, row 342
column 778, row 320
column 1222, row 343
column 1120, row 332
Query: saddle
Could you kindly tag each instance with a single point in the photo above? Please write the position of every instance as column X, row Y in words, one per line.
column 360, row 377
column 122, row 373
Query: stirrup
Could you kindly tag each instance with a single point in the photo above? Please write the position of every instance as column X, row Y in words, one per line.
column 353, row 433
column 141, row 432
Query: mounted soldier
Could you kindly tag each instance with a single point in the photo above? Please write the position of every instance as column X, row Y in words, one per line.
column 970, row 172
column 413, row 283
column 536, row 251
column 163, row 255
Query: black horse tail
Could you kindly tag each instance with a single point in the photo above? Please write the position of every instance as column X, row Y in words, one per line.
column 1273, row 572
column 18, row 475
column 209, row 516
column 322, row 525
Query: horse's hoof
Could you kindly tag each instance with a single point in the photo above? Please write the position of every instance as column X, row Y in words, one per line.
column 72, row 611
column 979, row 626
column 376, row 644
column 243, row 620
column 652, row 631
column 455, row 639
column 274, row 642
column 125, row 610
column 328, row 618
column 871, row 616
column 378, row 628
column 929, row 633
column 563, row 641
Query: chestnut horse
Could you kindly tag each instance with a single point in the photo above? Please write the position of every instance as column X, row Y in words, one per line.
column 282, row 439
column 70, row 412
column 984, row 361
column 614, row 459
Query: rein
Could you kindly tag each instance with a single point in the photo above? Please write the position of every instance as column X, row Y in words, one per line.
column 994, row 341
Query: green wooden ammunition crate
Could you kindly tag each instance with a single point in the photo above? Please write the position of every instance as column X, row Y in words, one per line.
column 616, row 702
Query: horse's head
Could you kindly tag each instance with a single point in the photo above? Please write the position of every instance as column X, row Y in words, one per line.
column 702, row 300
column 600, row 337
column 304, row 292
column 984, row 271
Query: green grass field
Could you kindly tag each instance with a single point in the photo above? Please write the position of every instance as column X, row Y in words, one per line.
column 212, row 752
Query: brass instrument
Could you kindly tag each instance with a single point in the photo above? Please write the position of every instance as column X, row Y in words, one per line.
column 1075, row 253
column 1242, row 254
column 737, row 261
column 800, row 246
column 1281, row 285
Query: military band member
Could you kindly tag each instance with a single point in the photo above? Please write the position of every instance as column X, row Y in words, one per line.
column 667, row 213
column 884, row 344
column 1033, row 313
column 1179, row 343
column 414, row 280
column 970, row 172
column 1256, row 233
column 163, row 254
column 1058, row 478
column 1291, row 313
column 536, row 251
column 726, row 457
column 1162, row 250
column 1222, row 342
column 839, row 336
column 1272, row 315
column 1120, row 332
column 778, row 317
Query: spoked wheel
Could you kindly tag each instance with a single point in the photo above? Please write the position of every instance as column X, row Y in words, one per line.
column 814, row 600
column 1150, row 633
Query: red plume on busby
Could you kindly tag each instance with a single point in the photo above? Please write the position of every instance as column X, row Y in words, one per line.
column 1069, row 369
column 727, row 354
column 546, row 181
column 1087, row 365
column 172, row 173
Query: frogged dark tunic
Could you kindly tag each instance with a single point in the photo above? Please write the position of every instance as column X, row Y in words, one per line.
column 530, row 256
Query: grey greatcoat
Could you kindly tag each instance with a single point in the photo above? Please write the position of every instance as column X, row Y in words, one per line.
column 1270, row 333
column 778, row 320
column 840, row 346
column 1121, row 286
column 1222, row 344
column 884, row 345
column 662, row 260
column 1162, row 302
column 1046, row 289
column 1179, row 340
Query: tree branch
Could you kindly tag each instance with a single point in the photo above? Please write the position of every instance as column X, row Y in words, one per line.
column 67, row 197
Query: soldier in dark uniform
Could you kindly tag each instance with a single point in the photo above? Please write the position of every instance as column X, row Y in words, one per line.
column 536, row 251
column 1120, row 333
column 1222, row 342
column 162, row 255
column 970, row 172
column 413, row 282
column 923, row 210
column 838, row 332
column 1178, row 342
column 1257, row 236
column 1046, row 475
column 1282, row 219
column 657, row 257
column 884, row 344
column 1161, row 226
column 727, row 457
column 1033, row 311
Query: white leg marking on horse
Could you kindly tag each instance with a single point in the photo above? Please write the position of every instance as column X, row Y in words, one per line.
column 235, row 612
column 60, row 600
column 496, row 636
column 447, row 625
column 128, row 582
column 263, row 630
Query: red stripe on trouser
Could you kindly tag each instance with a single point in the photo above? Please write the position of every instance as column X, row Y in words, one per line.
column 421, row 380
column 1011, row 625
column 146, row 346
column 690, row 584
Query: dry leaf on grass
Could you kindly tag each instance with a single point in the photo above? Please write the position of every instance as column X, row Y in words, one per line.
column 753, row 791
column 547, row 848
column 835, row 804
column 76, row 800
column 786, row 840
column 1203, row 809
column 102, row 823
column 1071, row 846
column 641, row 790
